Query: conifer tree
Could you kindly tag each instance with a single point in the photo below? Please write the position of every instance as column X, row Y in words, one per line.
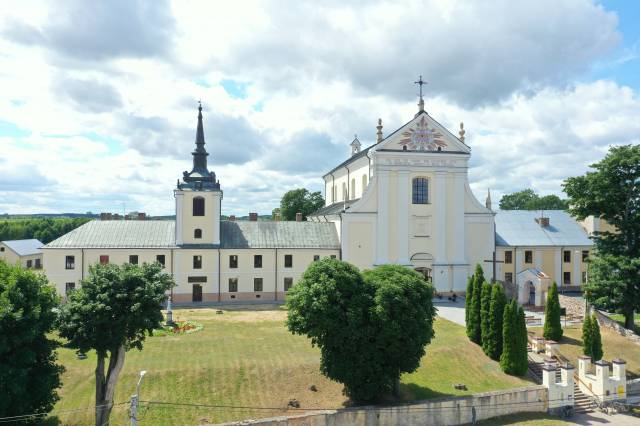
column 485, row 322
column 468, row 304
column 496, row 311
column 479, row 273
column 596, row 339
column 474, row 315
column 508, row 342
column 552, row 325
column 522, row 340
column 587, row 337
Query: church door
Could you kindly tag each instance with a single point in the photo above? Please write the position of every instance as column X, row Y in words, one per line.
column 532, row 293
column 426, row 273
column 197, row 293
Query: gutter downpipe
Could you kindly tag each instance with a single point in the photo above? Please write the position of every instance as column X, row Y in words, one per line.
column 82, row 265
column 276, row 277
column 219, row 278
column 171, row 260
column 333, row 190
column 348, row 197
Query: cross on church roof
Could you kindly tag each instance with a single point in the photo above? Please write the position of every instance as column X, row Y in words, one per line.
column 420, row 83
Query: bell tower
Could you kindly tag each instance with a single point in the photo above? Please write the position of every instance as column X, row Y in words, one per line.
column 198, row 198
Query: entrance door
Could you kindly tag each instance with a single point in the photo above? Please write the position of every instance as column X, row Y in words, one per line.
column 532, row 293
column 426, row 273
column 197, row 293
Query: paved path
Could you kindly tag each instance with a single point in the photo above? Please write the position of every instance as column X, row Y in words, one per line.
column 598, row 418
column 452, row 311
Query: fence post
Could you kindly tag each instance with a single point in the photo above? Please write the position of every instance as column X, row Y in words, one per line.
column 134, row 410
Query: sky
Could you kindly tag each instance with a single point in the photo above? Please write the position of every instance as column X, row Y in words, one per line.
column 99, row 99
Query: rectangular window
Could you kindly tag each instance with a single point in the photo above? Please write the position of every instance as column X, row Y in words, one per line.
column 508, row 277
column 257, row 284
column 104, row 259
column 257, row 261
column 1, row 248
column 288, row 283
column 316, row 257
column 29, row 263
column 528, row 256
column 584, row 277
column 566, row 278
column 419, row 191
column 38, row 264
column 69, row 287
column 133, row 259
column 233, row 285
column 508, row 256
column 567, row 256
column 288, row 261
column 233, row 261
column 160, row 259
column 585, row 255
column 333, row 256
column 197, row 262
column 70, row 262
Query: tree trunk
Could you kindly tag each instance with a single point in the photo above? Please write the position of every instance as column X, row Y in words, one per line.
column 629, row 320
column 106, row 385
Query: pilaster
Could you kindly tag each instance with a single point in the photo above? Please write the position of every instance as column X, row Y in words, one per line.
column 382, row 240
column 403, row 217
column 557, row 260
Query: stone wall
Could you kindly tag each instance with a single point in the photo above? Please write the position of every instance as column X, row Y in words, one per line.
column 437, row 412
column 611, row 324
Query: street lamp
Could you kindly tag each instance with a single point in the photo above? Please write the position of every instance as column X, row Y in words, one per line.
column 142, row 373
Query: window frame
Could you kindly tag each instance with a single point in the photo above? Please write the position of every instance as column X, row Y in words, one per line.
column 566, row 256
column 197, row 234
column 69, row 287
column 288, row 261
column 29, row 263
column 257, row 261
column 70, row 262
column 528, row 257
column 161, row 259
column 233, row 285
column 198, row 209
column 565, row 275
column 508, row 257
column 585, row 255
column 316, row 257
column 420, row 193
column 258, row 284
column 233, row 261
column 508, row 277
column 197, row 261
column 104, row 259
column 133, row 257
column 287, row 283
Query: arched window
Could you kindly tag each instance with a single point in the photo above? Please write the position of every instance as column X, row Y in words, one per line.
column 344, row 191
column 197, row 233
column 364, row 182
column 352, row 194
column 420, row 191
column 198, row 206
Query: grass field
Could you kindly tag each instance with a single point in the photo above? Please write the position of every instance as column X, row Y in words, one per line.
column 248, row 358
column 620, row 319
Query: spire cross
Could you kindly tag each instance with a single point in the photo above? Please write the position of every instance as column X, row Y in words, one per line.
column 420, row 82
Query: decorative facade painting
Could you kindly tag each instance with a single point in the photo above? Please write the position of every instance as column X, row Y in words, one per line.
column 422, row 138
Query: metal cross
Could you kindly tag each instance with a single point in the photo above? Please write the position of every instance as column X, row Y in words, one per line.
column 494, row 262
column 420, row 83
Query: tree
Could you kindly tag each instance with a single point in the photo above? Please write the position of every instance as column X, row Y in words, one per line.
column 596, row 339
column 468, row 297
column 496, row 312
column 29, row 375
column 528, row 200
column 508, row 356
column 475, row 317
column 111, row 313
column 612, row 192
column 587, row 336
column 370, row 327
column 552, row 326
column 521, row 343
column 485, row 321
column 300, row 201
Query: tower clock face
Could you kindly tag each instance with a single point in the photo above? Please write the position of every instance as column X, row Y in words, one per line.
column 422, row 138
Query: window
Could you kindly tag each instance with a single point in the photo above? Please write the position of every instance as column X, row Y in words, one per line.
column 352, row 194
column 508, row 256
column 104, row 259
column 233, row 261
column 160, row 259
column 584, row 277
column 420, row 195
column 233, row 285
column 257, row 284
column 528, row 256
column 334, row 194
column 316, row 257
column 585, row 255
column 344, row 191
column 38, row 264
column 567, row 256
column 1, row 248
column 288, row 283
column 333, row 256
column 70, row 262
column 288, row 261
column 197, row 262
column 198, row 206
column 508, row 277
column 566, row 278
column 197, row 233
column 364, row 182
column 29, row 263
column 257, row 261
column 69, row 287
column 133, row 259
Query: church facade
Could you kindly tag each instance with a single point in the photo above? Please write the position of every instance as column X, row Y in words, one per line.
column 404, row 200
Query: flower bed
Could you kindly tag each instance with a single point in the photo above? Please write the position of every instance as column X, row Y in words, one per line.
column 179, row 327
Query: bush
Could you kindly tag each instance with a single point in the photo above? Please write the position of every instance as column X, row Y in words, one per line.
column 587, row 337
column 552, row 325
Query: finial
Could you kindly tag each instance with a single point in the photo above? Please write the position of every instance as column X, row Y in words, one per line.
column 487, row 202
column 462, row 131
column 355, row 145
column 420, row 83
column 379, row 133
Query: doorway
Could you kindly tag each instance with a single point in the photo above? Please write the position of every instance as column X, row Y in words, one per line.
column 197, row 293
column 425, row 272
column 532, row 293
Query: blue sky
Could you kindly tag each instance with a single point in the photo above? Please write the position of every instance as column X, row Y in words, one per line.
column 101, row 112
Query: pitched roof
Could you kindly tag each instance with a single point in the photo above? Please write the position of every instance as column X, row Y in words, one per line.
column 264, row 234
column 24, row 247
column 334, row 208
column 119, row 234
column 519, row 228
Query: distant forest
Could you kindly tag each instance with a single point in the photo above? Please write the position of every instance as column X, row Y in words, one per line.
column 43, row 229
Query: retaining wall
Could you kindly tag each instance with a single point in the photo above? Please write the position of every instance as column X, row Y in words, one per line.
column 611, row 324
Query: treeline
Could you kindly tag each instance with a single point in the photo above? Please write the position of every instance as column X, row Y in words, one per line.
column 43, row 229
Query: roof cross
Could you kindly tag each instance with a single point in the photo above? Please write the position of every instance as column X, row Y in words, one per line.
column 420, row 83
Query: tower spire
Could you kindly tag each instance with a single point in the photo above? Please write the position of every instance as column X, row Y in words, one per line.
column 200, row 177
column 420, row 83
column 379, row 132
column 487, row 202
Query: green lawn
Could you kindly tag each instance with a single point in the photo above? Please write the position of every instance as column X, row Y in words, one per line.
column 248, row 358
column 620, row 319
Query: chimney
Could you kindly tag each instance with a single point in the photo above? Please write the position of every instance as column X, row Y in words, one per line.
column 278, row 218
column 142, row 216
column 232, row 218
column 298, row 217
column 103, row 216
column 253, row 217
column 543, row 221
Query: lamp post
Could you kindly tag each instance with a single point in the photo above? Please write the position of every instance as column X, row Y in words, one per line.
column 135, row 400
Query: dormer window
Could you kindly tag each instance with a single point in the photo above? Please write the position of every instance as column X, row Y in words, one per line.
column 198, row 206
column 197, row 234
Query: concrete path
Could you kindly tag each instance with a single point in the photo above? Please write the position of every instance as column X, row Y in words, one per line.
column 452, row 311
column 598, row 418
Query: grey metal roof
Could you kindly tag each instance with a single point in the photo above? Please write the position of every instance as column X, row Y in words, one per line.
column 24, row 247
column 119, row 234
column 264, row 234
column 519, row 228
column 334, row 208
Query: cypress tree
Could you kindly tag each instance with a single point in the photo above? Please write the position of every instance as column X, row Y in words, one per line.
column 474, row 315
column 496, row 311
column 468, row 304
column 587, row 336
column 521, row 332
column 479, row 273
column 552, row 325
column 596, row 339
column 485, row 321
column 508, row 346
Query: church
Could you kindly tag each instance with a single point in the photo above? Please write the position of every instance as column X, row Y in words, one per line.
column 404, row 200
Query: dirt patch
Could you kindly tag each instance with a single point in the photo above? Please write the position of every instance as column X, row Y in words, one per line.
column 230, row 315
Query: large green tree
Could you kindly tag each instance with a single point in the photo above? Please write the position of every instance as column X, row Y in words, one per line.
column 485, row 320
column 496, row 311
column 611, row 191
column 300, row 201
column 43, row 229
column 29, row 375
column 370, row 327
column 527, row 199
column 112, row 312
column 552, row 326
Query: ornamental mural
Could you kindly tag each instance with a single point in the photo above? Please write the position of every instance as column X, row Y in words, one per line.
column 422, row 138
